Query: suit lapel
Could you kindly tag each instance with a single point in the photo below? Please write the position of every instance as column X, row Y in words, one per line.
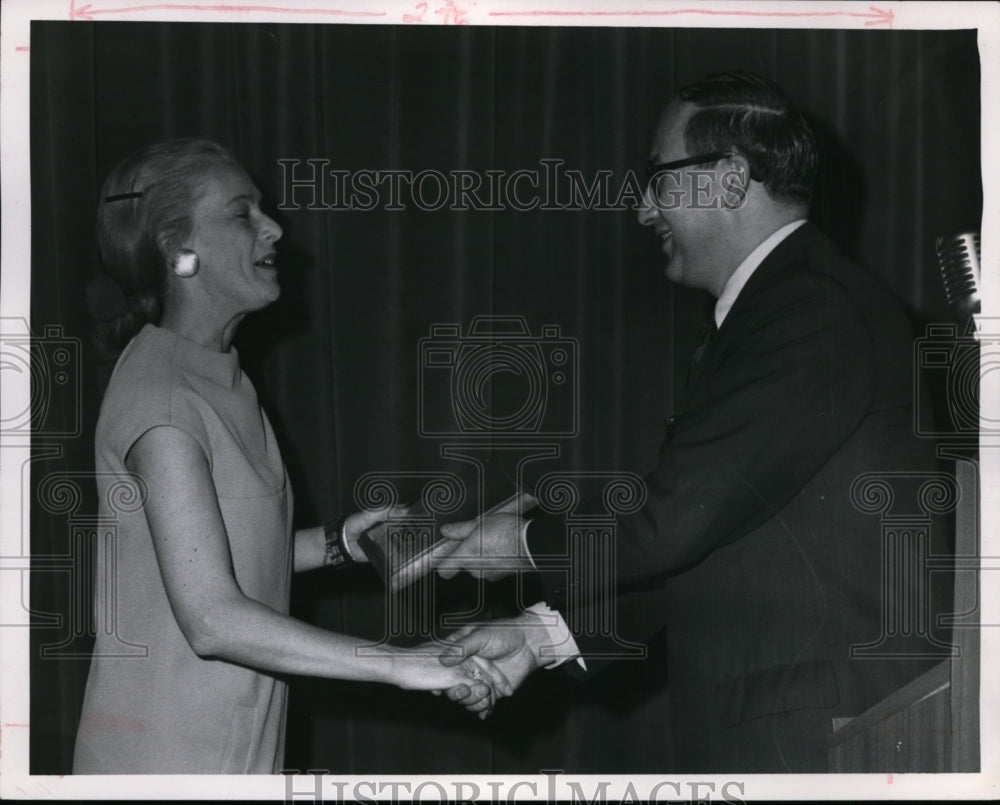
column 791, row 250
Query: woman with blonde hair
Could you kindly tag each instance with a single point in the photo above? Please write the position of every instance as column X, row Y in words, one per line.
column 200, row 572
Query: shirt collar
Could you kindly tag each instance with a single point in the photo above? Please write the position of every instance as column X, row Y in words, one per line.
column 745, row 270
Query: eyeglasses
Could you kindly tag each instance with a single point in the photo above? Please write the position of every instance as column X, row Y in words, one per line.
column 656, row 170
column 660, row 167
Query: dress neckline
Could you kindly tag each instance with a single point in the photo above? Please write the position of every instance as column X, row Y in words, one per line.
column 220, row 367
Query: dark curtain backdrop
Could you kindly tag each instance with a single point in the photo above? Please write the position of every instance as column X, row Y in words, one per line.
column 335, row 360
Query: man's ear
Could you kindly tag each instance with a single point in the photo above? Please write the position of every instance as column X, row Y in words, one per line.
column 735, row 182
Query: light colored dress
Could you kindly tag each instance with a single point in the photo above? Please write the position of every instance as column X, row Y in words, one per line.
column 164, row 709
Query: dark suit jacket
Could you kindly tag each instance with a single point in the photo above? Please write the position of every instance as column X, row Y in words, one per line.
column 749, row 549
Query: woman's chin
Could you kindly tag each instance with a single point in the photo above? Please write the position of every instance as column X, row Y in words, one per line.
column 264, row 298
column 271, row 290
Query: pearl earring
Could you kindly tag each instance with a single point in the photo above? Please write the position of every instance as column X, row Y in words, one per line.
column 185, row 263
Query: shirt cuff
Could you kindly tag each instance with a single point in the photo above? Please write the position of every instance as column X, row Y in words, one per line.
column 524, row 543
column 560, row 646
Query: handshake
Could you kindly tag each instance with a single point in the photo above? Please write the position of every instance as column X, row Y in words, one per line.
column 485, row 662
column 491, row 660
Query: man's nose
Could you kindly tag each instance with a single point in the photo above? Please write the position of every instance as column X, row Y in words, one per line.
column 648, row 212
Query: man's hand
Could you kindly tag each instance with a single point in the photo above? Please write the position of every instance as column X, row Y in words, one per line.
column 489, row 548
column 512, row 645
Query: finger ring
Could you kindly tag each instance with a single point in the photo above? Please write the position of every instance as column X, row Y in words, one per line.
column 477, row 674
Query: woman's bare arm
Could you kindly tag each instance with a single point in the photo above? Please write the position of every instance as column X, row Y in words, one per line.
column 218, row 620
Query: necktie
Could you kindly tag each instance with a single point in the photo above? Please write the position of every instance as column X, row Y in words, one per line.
column 708, row 333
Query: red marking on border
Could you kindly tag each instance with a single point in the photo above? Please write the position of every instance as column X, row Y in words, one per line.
column 101, row 720
column 875, row 16
column 9, row 724
column 88, row 11
column 888, row 779
column 23, row 48
column 421, row 9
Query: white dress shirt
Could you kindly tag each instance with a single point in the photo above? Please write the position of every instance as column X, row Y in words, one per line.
column 561, row 645
column 745, row 270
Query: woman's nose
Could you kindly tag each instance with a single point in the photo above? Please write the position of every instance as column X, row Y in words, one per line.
column 270, row 229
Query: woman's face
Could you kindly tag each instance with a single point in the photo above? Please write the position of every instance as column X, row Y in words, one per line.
column 234, row 241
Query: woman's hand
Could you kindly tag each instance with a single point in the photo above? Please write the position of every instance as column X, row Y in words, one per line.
column 358, row 523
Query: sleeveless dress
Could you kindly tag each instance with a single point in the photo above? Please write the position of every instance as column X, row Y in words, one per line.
column 152, row 706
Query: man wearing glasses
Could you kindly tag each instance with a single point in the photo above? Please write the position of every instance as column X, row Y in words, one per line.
column 749, row 550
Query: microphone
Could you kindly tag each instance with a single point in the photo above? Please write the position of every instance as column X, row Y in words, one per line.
column 958, row 262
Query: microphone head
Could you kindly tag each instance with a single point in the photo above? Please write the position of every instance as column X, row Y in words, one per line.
column 958, row 261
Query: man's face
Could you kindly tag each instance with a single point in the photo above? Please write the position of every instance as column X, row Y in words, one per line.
column 682, row 206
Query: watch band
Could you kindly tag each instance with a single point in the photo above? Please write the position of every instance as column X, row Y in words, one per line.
column 336, row 553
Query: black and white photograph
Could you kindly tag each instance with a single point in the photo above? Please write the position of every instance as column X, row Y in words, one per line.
column 483, row 401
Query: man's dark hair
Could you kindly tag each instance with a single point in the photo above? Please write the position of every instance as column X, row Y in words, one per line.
column 752, row 116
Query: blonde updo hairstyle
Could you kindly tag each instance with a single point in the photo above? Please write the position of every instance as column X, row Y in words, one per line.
column 144, row 216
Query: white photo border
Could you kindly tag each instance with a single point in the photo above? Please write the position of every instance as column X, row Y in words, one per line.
column 15, row 276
